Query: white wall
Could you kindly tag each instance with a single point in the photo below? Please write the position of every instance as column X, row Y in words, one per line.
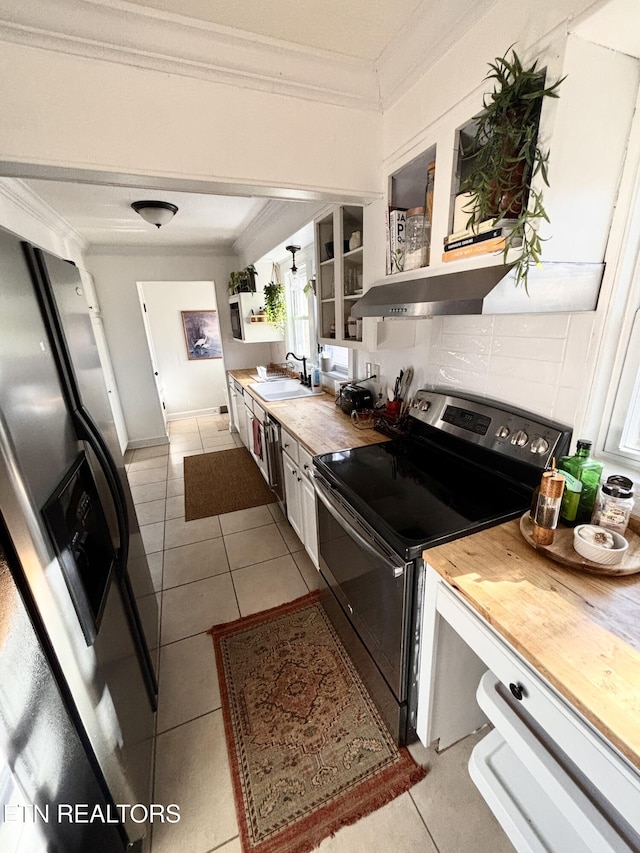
column 190, row 387
column 99, row 115
column 116, row 273
column 538, row 362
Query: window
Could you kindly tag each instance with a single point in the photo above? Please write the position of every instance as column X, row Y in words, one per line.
column 339, row 358
column 614, row 401
column 300, row 325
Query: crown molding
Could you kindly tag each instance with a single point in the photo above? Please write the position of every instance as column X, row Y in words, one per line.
column 275, row 222
column 18, row 193
column 150, row 251
column 135, row 35
column 424, row 39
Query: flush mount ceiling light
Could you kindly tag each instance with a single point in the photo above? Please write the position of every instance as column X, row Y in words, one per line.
column 293, row 250
column 155, row 212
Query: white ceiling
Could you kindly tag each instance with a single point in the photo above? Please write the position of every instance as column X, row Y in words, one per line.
column 102, row 215
column 357, row 28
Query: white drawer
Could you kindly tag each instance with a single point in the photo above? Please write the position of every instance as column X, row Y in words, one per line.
column 596, row 758
column 289, row 444
column 305, row 460
column 248, row 402
column 554, row 812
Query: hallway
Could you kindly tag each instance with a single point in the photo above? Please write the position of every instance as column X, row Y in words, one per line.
column 215, row 570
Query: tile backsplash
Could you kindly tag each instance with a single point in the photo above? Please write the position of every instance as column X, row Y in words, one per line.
column 536, row 361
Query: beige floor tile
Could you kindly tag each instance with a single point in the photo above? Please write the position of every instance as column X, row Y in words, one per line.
column 195, row 607
column 186, row 441
column 447, row 793
column 145, row 464
column 175, row 487
column 148, row 492
column 152, row 537
column 215, row 436
column 290, row 536
column 237, row 441
column 188, row 681
column 176, row 456
column 395, row 828
column 185, row 425
column 150, row 452
column 194, row 562
column 150, row 511
column 175, row 507
column 128, row 456
column 276, row 512
column 232, row 846
column 218, row 448
column 155, row 562
column 268, row 584
column 307, row 569
column 180, row 532
column 212, row 417
column 150, row 475
column 246, row 548
column 245, row 519
column 192, row 770
column 175, row 470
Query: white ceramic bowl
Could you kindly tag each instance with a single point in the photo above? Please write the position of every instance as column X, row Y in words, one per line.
column 597, row 553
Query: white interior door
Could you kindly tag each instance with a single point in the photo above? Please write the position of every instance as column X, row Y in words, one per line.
column 152, row 354
column 105, row 359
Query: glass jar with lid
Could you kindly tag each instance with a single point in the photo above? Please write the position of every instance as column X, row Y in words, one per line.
column 415, row 255
column 614, row 504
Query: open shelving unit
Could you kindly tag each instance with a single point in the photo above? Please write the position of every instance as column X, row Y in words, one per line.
column 339, row 264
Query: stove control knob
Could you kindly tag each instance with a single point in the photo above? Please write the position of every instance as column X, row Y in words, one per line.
column 415, row 404
column 539, row 445
column 519, row 438
column 503, row 432
column 425, row 406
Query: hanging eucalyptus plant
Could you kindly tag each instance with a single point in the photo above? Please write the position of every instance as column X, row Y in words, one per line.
column 504, row 158
column 275, row 305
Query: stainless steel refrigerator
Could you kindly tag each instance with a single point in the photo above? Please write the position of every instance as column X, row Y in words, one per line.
column 68, row 515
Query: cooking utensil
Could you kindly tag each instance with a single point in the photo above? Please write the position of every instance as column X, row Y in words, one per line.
column 406, row 378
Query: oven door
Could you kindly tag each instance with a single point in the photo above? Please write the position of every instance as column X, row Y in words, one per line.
column 372, row 584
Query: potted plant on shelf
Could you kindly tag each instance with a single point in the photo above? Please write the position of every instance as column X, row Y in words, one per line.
column 275, row 305
column 504, row 158
column 243, row 281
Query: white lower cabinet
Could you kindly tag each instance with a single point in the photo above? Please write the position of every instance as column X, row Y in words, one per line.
column 292, row 488
column 553, row 782
column 308, row 501
column 300, row 494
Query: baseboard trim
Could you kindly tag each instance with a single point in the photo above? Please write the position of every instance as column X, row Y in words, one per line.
column 197, row 413
column 148, row 442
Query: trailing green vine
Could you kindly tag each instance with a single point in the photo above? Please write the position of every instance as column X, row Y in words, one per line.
column 275, row 304
column 504, row 158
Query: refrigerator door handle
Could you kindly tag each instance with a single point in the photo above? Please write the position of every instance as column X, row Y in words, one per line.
column 89, row 432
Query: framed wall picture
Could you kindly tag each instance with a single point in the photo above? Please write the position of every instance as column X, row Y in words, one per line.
column 202, row 334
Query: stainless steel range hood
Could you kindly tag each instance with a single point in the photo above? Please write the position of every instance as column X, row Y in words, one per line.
column 553, row 287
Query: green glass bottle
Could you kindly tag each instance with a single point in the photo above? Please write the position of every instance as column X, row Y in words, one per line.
column 587, row 471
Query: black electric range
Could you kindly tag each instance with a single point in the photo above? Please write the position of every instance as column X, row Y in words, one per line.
column 465, row 464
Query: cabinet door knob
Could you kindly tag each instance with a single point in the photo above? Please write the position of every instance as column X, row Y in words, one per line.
column 517, row 690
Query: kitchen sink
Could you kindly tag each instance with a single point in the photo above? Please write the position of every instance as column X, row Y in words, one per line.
column 282, row 389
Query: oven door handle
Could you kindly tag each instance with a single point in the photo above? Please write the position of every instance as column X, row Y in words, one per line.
column 398, row 571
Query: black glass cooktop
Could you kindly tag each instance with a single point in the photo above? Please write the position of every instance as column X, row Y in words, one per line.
column 415, row 494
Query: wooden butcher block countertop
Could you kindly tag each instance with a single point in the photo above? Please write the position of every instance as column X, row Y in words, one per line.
column 315, row 421
column 580, row 631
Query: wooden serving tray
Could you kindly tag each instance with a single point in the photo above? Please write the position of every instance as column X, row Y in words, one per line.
column 562, row 551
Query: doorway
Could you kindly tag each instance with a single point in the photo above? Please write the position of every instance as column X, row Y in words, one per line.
column 188, row 368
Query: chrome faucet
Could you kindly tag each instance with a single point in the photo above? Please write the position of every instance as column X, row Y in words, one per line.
column 303, row 376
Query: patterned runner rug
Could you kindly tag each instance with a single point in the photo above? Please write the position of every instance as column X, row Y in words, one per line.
column 308, row 750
